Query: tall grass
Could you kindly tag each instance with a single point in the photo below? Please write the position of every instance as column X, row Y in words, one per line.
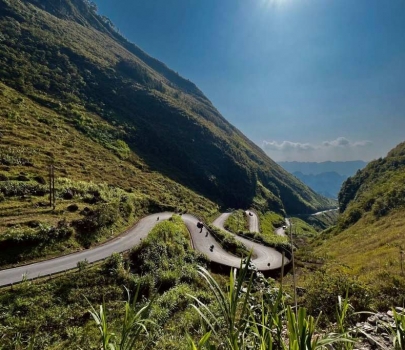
column 399, row 330
column 249, row 319
column 133, row 325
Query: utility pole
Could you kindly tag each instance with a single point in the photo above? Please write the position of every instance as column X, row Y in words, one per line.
column 53, row 187
column 52, row 195
column 50, row 185
column 293, row 267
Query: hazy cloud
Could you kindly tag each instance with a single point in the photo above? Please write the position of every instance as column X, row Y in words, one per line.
column 338, row 149
column 287, row 146
column 344, row 142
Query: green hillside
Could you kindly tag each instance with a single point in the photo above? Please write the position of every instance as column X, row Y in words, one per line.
column 64, row 57
column 101, row 186
column 368, row 242
column 379, row 188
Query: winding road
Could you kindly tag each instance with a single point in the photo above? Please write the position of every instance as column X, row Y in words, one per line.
column 265, row 258
column 201, row 242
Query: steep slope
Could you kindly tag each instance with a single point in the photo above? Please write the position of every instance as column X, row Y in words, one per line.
column 378, row 188
column 64, row 56
column 369, row 240
column 101, row 188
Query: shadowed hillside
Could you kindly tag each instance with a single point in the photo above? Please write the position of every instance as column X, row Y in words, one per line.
column 65, row 57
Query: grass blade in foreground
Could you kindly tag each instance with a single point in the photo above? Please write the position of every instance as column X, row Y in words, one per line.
column 133, row 325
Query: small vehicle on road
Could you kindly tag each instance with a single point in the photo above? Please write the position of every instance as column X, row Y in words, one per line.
column 284, row 227
column 250, row 214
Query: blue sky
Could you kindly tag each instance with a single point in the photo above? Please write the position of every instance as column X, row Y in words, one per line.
column 308, row 80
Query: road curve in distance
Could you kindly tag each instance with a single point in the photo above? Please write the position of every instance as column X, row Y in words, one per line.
column 253, row 221
column 324, row 211
column 265, row 258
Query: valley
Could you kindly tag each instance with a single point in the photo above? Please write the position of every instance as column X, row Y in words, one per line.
column 133, row 215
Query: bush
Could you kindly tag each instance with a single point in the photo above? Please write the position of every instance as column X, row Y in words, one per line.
column 114, row 263
column 126, row 208
column 228, row 242
column 167, row 280
column 323, row 289
column 17, row 188
column 40, row 179
column 103, row 216
column 73, row 207
column 389, row 291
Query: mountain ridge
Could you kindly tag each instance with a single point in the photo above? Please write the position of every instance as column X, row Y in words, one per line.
column 74, row 68
column 344, row 168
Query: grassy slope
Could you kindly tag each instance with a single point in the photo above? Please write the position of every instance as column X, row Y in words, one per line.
column 302, row 228
column 369, row 239
column 83, row 65
column 237, row 221
column 369, row 247
column 322, row 221
column 57, row 310
column 33, row 137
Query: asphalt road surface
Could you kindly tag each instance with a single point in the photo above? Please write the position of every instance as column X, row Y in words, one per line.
column 325, row 211
column 265, row 258
column 202, row 241
column 281, row 231
column 253, row 221
column 122, row 243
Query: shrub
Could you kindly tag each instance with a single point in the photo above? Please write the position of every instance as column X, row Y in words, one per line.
column 228, row 242
column 323, row 289
column 73, row 207
column 167, row 279
column 114, row 263
column 40, row 179
column 81, row 265
column 126, row 208
column 17, row 188
column 103, row 216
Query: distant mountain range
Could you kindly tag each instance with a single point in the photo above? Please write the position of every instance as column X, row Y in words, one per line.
column 328, row 184
column 347, row 169
column 325, row 178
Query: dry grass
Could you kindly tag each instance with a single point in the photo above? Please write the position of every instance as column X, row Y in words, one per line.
column 370, row 247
